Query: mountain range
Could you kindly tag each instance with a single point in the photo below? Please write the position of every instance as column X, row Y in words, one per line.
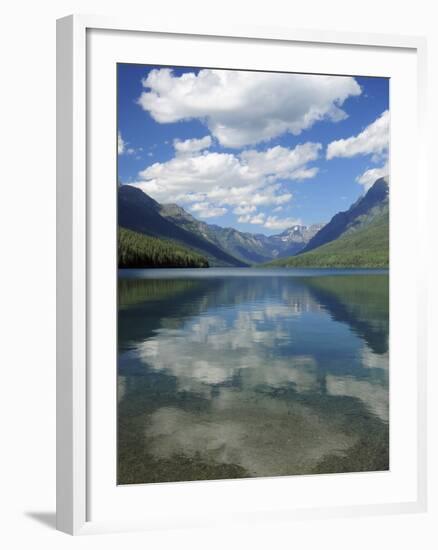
column 139, row 212
column 360, row 214
column 248, row 247
column 222, row 246
column 356, row 237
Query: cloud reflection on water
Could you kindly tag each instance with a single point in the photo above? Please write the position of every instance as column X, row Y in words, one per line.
column 279, row 371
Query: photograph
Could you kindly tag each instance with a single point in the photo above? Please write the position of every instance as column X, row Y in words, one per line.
column 253, row 273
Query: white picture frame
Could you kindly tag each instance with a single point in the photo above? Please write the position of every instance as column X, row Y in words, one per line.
column 74, row 336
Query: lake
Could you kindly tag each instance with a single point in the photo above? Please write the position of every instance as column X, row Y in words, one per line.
column 230, row 373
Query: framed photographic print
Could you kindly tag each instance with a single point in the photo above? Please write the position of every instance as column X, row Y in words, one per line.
column 240, row 291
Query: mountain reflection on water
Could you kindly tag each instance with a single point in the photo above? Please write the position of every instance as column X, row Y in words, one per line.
column 241, row 376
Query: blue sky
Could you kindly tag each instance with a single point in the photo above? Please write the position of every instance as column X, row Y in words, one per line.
column 254, row 151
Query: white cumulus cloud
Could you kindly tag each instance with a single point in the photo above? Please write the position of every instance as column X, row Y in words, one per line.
column 282, row 162
column 245, row 181
column 270, row 222
column 120, row 144
column 273, row 222
column 370, row 176
column 206, row 210
column 241, row 210
column 256, row 219
column 373, row 140
column 244, row 108
column 192, row 145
